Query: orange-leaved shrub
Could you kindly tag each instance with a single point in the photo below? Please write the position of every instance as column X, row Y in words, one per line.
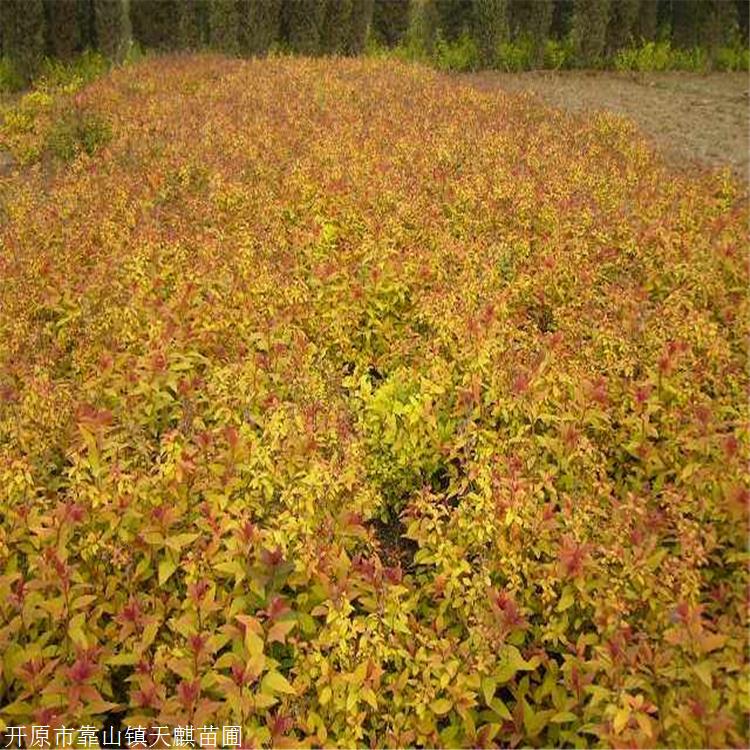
column 359, row 408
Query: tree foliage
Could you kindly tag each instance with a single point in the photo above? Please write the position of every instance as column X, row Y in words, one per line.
column 192, row 24
column 62, row 32
column 621, row 26
column 589, row 30
column 490, row 28
column 302, row 24
column 22, row 24
column 390, row 19
column 646, row 21
column 109, row 25
column 224, row 23
column 453, row 34
column 259, row 25
column 531, row 20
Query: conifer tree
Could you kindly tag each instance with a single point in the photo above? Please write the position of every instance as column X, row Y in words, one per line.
column 192, row 24
column 454, row 17
column 23, row 27
column 223, row 26
column 155, row 23
column 361, row 23
column 646, row 21
column 345, row 25
column 490, row 28
column 109, row 26
column 259, row 25
column 719, row 24
column 61, row 23
column 390, row 19
column 589, row 30
column 562, row 16
column 336, row 27
column 302, row 24
column 532, row 20
column 621, row 26
column 423, row 26
column 743, row 20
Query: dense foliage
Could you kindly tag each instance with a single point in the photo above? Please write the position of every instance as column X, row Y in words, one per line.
column 453, row 34
column 358, row 408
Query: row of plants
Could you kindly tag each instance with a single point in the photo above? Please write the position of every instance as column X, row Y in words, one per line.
column 509, row 35
column 464, row 55
column 356, row 409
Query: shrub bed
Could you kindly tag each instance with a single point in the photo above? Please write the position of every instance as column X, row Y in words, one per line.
column 356, row 408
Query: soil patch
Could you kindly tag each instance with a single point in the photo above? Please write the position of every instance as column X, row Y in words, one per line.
column 395, row 549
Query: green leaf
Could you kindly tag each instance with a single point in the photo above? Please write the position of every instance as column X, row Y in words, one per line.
column 441, row 706
column 505, row 673
column 369, row 695
column 275, row 682
column 566, row 600
column 264, row 700
column 563, row 717
column 149, row 633
column 500, row 709
column 655, row 559
column 178, row 541
column 121, row 660
column 12, row 657
column 17, row 708
column 75, row 630
column 488, row 689
column 166, row 567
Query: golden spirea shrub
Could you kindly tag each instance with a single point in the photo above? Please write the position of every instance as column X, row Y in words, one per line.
column 355, row 407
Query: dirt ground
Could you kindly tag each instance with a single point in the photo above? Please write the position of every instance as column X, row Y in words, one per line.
column 693, row 118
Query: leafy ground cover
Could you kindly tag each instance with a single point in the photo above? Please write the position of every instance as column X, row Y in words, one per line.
column 360, row 409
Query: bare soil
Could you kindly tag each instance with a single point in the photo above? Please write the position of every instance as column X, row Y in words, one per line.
column 694, row 119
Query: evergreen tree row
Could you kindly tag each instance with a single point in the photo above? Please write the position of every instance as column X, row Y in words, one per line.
column 33, row 29
column 597, row 29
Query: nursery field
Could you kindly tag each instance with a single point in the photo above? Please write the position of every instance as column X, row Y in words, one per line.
column 695, row 119
column 351, row 407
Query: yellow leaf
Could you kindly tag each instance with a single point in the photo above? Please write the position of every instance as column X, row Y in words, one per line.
column 488, row 689
column 178, row 541
column 253, row 644
column 500, row 709
column 441, row 706
column 369, row 695
column 711, row 642
column 566, row 600
column 703, row 670
column 325, row 695
column 166, row 567
column 275, row 682
column 13, row 657
column 644, row 722
column 263, row 700
column 75, row 630
column 621, row 719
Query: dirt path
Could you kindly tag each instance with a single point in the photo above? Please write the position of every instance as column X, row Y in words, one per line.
column 693, row 118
